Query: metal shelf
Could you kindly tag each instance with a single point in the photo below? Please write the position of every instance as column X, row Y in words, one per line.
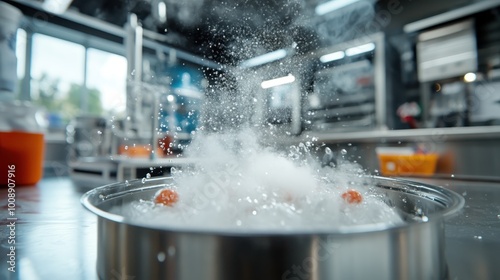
column 450, row 16
column 376, row 136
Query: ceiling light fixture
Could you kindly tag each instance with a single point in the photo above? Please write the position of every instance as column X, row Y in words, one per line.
column 56, row 6
column 162, row 12
column 332, row 56
column 278, row 81
column 265, row 58
column 333, row 5
column 360, row 49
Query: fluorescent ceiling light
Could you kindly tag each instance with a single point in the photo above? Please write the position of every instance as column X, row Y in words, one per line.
column 162, row 12
column 278, row 81
column 332, row 5
column 360, row 49
column 332, row 56
column 56, row 6
column 265, row 58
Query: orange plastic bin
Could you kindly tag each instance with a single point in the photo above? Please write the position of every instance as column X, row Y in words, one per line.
column 24, row 151
column 407, row 164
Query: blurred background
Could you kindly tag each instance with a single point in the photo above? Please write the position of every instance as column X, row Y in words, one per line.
column 366, row 76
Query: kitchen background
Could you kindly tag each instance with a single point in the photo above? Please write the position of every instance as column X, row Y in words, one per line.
column 103, row 91
column 357, row 76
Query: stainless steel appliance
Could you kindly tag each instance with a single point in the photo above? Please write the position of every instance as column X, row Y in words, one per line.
column 444, row 55
column 351, row 87
column 414, row 250
column 457, row 62
column 447, row 52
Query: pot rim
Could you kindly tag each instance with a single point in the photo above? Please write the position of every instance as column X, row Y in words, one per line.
column 451, row 201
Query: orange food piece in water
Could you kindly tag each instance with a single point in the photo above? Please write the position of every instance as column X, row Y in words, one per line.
column 167, row 197
column 352, row 196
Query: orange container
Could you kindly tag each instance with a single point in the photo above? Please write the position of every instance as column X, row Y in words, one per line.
column 407, row 165
column 22, row 152
column 138, row 151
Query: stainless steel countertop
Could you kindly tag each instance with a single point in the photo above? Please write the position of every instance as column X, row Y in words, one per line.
column 377, row 136
column 473, row 236
column 56, row 237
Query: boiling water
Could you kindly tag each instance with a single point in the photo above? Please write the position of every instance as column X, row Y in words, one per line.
column 239, row 185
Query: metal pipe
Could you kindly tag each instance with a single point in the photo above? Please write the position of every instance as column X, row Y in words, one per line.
column 133, row 45
column 155, row 115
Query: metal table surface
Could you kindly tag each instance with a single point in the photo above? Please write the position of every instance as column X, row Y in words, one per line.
column 55, row 237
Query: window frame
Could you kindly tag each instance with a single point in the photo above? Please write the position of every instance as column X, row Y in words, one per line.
column 34, row 26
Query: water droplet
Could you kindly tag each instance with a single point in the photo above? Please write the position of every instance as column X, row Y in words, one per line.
column 148, row 175
column 126, row 147
column 452, row 175
column 498, row 216
column 143, row 180
column 478, row 237
column 99, row 132
column 425, row 219
column 254, row 212
column 343, row 151
column 161, row 257
column 173, row 170
column 464, row 194
column 101, row 196
column 350, row 144
column 328, row 151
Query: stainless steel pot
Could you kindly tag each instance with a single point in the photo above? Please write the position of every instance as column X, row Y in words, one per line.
column 414, row 250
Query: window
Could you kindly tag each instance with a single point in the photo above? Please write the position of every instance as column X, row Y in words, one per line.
column 106, row 75
column 68, row 79
column 57, row 78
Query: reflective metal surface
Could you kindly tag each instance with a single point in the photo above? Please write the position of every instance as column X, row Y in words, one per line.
column 54, row 236
column 412, row 251
column 57, row 237
column 473, row 236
